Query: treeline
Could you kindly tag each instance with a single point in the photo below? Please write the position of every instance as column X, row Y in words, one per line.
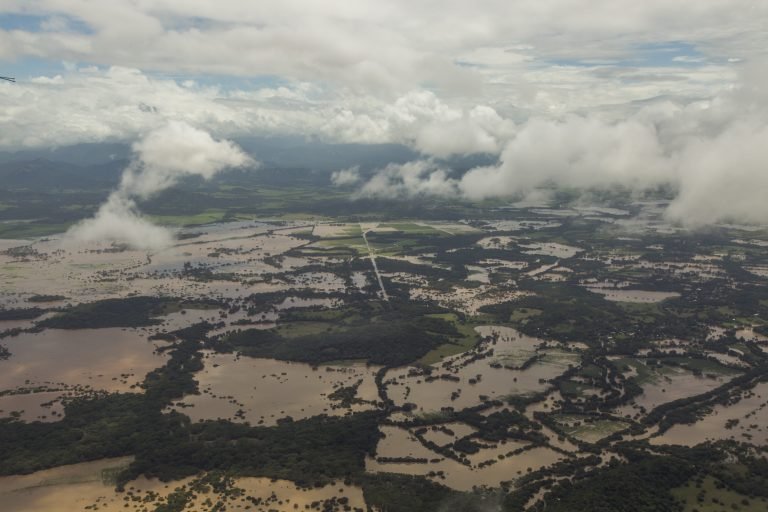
column 407, row 493
column 20, row 313
column 169, row 446
column 123, row 312
column 689, row 409
column 644, row 485
column 572, row 313
column 316, row 450
column 388, row 344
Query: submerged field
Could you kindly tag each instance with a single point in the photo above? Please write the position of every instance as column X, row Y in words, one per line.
column 499, row 362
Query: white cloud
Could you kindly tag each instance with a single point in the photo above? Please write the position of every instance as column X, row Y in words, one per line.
column 119, row 220
column 423, row 121
column 418, row 178
column 582, row 92
column 576, row 151
column 345, row 177
column 176, row 150
column 724, row 178
column 162, row 157
column 713, row 151
column 368, row 44
column 121, row 103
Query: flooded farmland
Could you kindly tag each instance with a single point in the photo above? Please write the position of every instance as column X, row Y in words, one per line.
column 465, row 380
column 399, row 443
column 481, row 383
column 90, row 486
column 263, row 391
column 56, row 364
column 745, row 420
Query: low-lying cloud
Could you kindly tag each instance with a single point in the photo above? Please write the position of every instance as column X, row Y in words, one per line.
column 714, row 152
column 421, row 177
column 346, row 177
column 162, row 158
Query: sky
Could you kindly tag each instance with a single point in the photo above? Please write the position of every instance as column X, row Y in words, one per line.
column 584, row 92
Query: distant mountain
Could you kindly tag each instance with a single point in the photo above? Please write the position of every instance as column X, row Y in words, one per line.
column 78, row 154
column 290, row 152
column 98, row 166
column 42, row 174
column 298, row 152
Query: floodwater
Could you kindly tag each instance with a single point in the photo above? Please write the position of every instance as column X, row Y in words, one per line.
column 401, row 443
column 636, row 296
column 360, row 280
column 602, row 210
column 466, row 300
column 336, row 230
column 497, row 242
column 541, row 270
column 448, row 433
column 751, row 414
column 455, row 383
column 64, row 488
column 518, row 225
column 94, row 271
column 668, row 384
column 588, row 430
column 551, row 249
column 262, row 391
column 758, row 270
column 72, row 362
column 88, row 486
column 451, row 228
column 479, row 274
column 749, row 333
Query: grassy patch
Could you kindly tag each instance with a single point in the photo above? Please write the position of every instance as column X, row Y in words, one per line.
column 394, row 336
column 522, row 314
column 704, row 365
column 588, row 429
column 206, row 217
column 468, row 339
column 32, row 229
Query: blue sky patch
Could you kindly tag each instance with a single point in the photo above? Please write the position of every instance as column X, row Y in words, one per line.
column 34, row 23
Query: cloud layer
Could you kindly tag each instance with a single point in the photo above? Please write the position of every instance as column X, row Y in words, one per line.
column 582, row 93
column 715, row 152
column 365, row 44
column 162, row 157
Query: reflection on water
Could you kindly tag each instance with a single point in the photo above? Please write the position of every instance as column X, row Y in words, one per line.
column 71, row 362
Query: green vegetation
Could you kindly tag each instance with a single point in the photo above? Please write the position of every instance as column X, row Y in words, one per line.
column 466, row 340
column 645, row 485
column 404, row 493
column 596, row 357
column 708, row 494
column 398, row 335
column 20, row 313
column 127, row 312
column 46, row 298
column 168, row 446
column 586, row 428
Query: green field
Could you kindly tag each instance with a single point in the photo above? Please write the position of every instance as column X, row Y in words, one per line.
column 467, row 341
